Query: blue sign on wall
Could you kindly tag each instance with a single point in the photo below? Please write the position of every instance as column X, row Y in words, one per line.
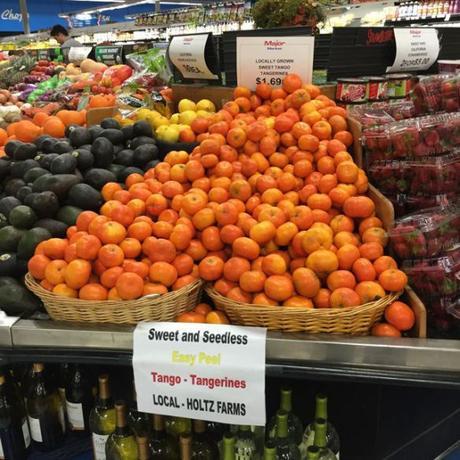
column 43, row 15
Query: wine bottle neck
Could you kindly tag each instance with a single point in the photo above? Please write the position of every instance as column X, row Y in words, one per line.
column 281, row 424
column 321, row 407
column 286, row 400
column 229, row 447
column 320, row 432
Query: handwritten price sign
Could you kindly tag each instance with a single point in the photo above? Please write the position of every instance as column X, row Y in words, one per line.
column 201, row 371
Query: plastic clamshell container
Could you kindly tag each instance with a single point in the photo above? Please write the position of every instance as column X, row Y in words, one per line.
column 435, row 277
column 427, row 93
column 426, row 234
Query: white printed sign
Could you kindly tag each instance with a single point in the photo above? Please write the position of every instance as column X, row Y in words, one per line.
column 416, row 49
column 270, row 59
column 187, row 54
column 78, row 53
column 201, row 371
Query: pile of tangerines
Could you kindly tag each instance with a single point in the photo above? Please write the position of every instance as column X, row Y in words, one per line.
column 270, row 207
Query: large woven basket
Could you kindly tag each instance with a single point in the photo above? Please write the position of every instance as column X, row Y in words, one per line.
column 350, row 320
column 163, row 307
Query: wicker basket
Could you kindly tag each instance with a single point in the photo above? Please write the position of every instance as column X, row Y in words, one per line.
column 150, row 308
column 351, row 320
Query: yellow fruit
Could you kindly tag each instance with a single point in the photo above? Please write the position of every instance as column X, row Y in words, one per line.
column 270, row 122
column 203, row 113
column 186, row 118
column 186, row 104
column 170, row 134
column 174, row 118
column 205, row 104
column 159, row 121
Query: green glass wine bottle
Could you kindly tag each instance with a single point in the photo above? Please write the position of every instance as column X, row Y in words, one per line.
column 295, row 428
column 175, row 426
column 139, row 422
column 203, row 447
column 162, row 445
column 313, row 453
column 143, row 448
column 269, row 451
column 185, row 444
column 332, row 437
column 321, row 440
column 245, row 444
column 14, row 430
column 228, row 447
column 121, row 444
column 102, row 418
column 286, row 448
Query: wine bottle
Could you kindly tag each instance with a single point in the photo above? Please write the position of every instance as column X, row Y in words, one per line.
column 139, row 422
column 62, row 381
column 269, row 451
column 313, row 453
column 321, row 441
column 185, row 442
column 14, row 430
column 295, row 429
column 203, row 448
column 45, row 411
column 286, row 448
column 143, row 448
column 333, row 441
column 175, row 426
column 245, row 444
column 215, row 431
column 102, row 418
column 228, row 447
column 121, row 444
column 162, row 445
column 79, row 399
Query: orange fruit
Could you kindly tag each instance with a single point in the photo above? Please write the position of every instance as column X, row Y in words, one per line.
column 66, row 291
column 129, row 286
column 369, row 291
column 385, row 330
column 400, row 315
column 306, row 282
column 37, row 266
column 93, row 291
column 344, row 297
column 55, row 271
column 77, row 273
column 235, row 267
column 211, row 268
column 322, row 262
column 252, row 281
column 278, row 287
column 393, row 280
column 217, row 317
column 341, row 279
column 163, row 272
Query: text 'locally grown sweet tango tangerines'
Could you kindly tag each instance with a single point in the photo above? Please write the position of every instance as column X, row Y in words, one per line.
column 269, row 207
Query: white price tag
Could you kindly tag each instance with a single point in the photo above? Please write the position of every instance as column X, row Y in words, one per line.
column 201, row 371
column 270, row 59
column 416, row 49
column 187, row 54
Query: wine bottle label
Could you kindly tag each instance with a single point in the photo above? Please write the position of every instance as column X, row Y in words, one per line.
column 99, row 441
column 35, row 430
column 338, row 455
column 26, row 433
column 75, row 416
column 2, row 454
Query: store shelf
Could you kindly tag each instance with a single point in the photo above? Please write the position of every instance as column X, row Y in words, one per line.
column 423, row 362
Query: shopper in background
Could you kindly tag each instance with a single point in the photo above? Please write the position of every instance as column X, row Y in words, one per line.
column 60, row 34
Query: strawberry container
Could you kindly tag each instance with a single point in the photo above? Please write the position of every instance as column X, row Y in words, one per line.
column 405, row 139
column 426, row 234
column 444, row 316
column 450, row 94
column 427, row 94
column 377, row 144
column 390, row 177
column 401, row 109
column 421, row 202
column 435, row 277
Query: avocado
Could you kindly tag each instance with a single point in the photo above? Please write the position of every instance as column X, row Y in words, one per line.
column 94, row 131
column 85, row 159
column 25, row 152
column 144, row 153
column 115, row 136
column 84, row 196
column 11, row 147
column 115, row 169
column 64, row 164
column 141, row 140
column 110, row 123
column 98, row 177
column 127, row 171
column 62, row 147
column 4, row 167
column 34, row 173
column 128, row 132
column 7, row 204
column 22, row 217
column 9, row 238
column 5, row 280
column 69, row 129
column 68, row 214
column 8, row 265
column 45, row 160
column 47, row 145
column 150, row 164
column 30, row 240
column 86, row 147
column 79, row 136
column 60, row 184
column 102, row 149
column 3, row 221
column 19, row 168
column 55, row 227
column 23, row 192
column 13, row 185
column 125, row 157
column 142, row 128
column 45, row 204
column 40, row 139
column 17, row 300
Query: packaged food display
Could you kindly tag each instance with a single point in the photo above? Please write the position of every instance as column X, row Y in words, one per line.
column 450, row 91
column 426, row 234
column 430, row 92
column 351, row 90
column 399, row 85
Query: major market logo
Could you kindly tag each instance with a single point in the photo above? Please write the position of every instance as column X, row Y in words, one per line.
column 274, row 44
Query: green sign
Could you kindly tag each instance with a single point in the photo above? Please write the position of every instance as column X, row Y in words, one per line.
column 109, row 55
